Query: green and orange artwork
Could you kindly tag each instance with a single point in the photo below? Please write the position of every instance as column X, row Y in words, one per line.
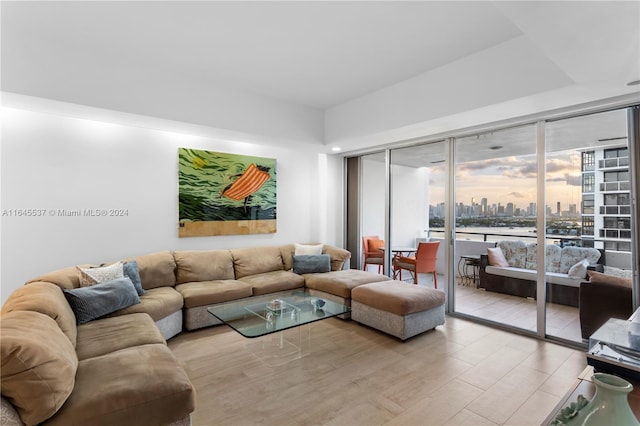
column 216, row 186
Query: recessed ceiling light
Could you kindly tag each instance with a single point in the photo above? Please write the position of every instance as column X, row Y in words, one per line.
column 336, row 149
column 633, row 83
column 495, row 147
column 437, row 161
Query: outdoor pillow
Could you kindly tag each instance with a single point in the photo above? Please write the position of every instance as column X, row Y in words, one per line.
column 496, row 257
column 308, row 264
column 92, row 302
column 130, row 269
column 91, row 276
column 579, row 270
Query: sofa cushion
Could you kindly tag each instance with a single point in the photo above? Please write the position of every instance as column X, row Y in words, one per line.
column 286, row 252
column 515, row 252
column 156, row 269
column 340, row 283
column 38, row 364
column 147, row 387
column 48, row 299
column 600, row 278
column 311, row 264
column 398, row 297
column 256, row 260
column 271, row 282
column 202, row 293
column 563, row 279
column 89, row 303
column 158, row 302
column 509, row 271
column 572, row 255
column 203, row 265
column 63, row 278
column 107, row 335
column 552, row 257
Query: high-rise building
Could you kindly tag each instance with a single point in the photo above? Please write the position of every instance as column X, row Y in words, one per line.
column 509, row 209
column 606, row 207
column 558, row 211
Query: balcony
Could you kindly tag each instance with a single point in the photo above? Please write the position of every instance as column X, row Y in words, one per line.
column 614, row 163
column 615, row 210
column 615, row 186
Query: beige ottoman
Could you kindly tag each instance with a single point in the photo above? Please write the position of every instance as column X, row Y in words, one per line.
column 337, row 285
column 397, row 308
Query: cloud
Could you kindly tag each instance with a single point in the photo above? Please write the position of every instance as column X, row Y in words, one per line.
column 573, row 180
column 516, row 194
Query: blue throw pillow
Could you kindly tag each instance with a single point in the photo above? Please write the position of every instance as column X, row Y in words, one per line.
column 130, row 269
column 309, row 264
column 92, row 302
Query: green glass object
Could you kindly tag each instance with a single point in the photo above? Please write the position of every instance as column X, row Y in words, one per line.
column 609, row 405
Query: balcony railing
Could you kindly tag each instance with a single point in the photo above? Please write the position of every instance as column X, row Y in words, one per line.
column 615, row 186
column 615, row 210
column 611, row 163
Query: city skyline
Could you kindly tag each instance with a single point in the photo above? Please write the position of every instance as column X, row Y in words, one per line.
column 489, row 178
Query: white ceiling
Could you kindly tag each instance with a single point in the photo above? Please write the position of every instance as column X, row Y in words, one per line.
column 318, row 55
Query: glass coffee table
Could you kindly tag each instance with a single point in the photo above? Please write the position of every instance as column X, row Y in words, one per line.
column 261, row 315
column 273, row 322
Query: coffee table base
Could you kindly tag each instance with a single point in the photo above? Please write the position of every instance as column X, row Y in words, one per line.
column 282, row 347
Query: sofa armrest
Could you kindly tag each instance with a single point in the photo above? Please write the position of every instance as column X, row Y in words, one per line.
column 598, row 267
column 598, row 302
column 339, row 256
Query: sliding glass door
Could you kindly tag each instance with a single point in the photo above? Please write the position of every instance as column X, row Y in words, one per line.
column 495, row 205
column 523, row 215
column 588, row 207
column 418, row 188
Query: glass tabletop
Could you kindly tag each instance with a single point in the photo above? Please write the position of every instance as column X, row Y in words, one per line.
column 260, row 315
column 618, row 340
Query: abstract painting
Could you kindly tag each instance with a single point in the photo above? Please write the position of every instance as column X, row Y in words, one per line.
column 225, row 194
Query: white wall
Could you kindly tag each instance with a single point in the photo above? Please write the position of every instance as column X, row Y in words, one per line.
column 409, row 205
column 372, row 203
column 54, row 162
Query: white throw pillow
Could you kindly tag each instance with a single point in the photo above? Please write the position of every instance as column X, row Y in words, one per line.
column 91, row 276
column 579, row 270
column 308, row 250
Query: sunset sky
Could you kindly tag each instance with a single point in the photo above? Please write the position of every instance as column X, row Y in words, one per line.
column 512, row 179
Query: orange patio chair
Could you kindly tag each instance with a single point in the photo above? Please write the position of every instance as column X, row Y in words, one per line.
column 372, row 253
column 423, row 262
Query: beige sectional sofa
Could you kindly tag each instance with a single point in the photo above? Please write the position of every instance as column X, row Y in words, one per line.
column 117, row 369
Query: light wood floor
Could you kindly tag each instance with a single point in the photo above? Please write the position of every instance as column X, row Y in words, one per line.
column 562, row 321
column 461, row 373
